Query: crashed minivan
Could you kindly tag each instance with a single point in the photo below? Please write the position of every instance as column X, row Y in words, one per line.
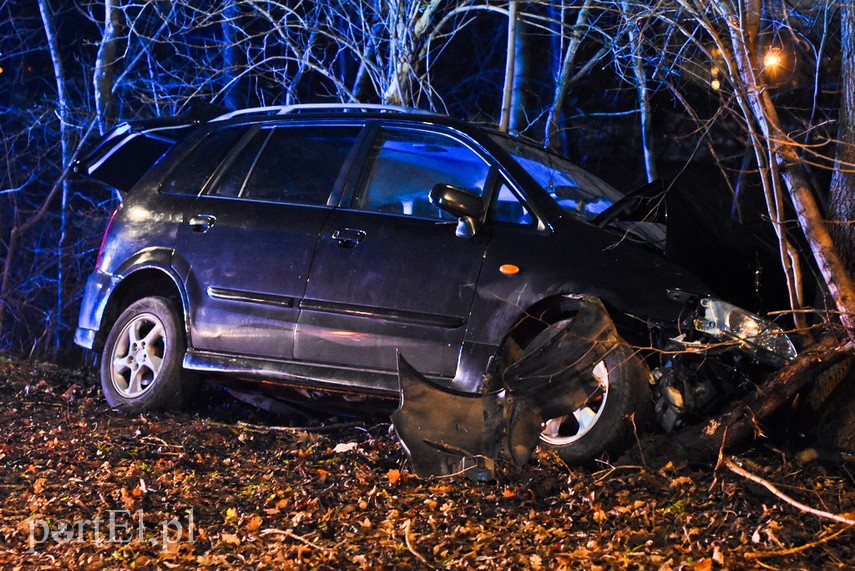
column 496, row 294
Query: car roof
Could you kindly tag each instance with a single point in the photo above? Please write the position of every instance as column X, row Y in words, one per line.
column 325, row 109
column 328, row 111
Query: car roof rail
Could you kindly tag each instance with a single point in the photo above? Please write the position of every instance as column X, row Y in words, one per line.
column 320, row 107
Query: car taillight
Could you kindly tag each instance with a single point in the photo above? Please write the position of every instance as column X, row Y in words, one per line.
column 104, row 239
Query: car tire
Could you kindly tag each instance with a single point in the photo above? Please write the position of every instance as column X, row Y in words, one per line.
column 141, row 364
column 607, row 422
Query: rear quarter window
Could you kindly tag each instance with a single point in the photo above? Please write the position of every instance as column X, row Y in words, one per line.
column 191, row 174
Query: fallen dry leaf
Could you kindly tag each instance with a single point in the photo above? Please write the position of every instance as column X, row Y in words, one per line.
column 70, row 464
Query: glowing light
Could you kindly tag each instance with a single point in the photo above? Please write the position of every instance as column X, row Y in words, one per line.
column 773, row 59
column 509, row 269
column 715, row 84
column 1, row 69
column 138, row 214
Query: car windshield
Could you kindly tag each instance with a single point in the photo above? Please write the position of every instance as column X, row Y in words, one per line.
column 576, row 190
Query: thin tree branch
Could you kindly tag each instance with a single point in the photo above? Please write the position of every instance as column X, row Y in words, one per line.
column 737, row 469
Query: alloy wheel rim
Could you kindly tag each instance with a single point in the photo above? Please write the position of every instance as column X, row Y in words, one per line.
column 564, row 430
column 137, row 357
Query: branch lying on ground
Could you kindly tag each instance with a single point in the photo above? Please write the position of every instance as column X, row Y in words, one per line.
column 287, row 429
column 700, row 443
column 799, row 549
column 737, row 469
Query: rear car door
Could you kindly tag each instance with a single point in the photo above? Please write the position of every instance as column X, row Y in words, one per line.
column 389, row 273
column 246, row 243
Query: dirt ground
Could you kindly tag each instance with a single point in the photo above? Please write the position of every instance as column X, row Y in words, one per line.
column 221, row 487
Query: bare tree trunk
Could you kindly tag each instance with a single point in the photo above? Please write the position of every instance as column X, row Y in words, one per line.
column 233, row 58
column 105, row 62
column 64, row 120
column 784, row 160
column 562, row 84
column 842, row 195
column 643, row 94
column 409, row 23
column 521, row 76
column 791, row 169
column 510, row 67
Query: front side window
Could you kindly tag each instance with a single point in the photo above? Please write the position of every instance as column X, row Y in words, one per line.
column 405, row 165
column 294, row 165
column 507, row 208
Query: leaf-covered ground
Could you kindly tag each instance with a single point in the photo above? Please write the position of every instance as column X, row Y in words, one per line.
column 84, row 487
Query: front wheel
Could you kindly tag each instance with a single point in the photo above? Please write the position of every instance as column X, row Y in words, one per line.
column 604, row 423
column 141, row 362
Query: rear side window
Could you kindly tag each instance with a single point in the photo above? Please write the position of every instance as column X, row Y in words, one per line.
column 192, row 173
column 295, row 165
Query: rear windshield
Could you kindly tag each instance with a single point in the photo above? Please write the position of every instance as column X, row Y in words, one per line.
column 127, row 164
column 122, row 157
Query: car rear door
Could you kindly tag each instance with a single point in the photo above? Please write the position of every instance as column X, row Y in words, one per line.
column 246, row 243
column 389, row 273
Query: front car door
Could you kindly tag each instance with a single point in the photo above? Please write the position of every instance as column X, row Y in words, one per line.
column 389, row 273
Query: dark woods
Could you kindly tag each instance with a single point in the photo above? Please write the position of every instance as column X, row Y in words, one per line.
column 741, row 122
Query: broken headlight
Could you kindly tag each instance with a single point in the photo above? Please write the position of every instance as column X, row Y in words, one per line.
column 757, row 336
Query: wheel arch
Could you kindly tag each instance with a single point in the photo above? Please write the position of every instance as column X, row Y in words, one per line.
column 140, row 283
column 549, row 310
column 552, row 309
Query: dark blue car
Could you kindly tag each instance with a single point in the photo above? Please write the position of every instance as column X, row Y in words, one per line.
column 348, row 250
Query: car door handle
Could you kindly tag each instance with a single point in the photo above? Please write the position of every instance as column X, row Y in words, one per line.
column 348, row 237
column 202, row 222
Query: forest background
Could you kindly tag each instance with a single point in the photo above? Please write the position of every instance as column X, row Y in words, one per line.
column 746, row 109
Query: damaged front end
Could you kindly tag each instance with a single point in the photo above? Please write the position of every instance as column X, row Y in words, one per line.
column 721, row 351
column 449, row 432
column 579, row 371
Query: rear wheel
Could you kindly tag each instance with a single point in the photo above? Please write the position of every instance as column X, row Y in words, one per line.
column 141, row 362
column 604, row 423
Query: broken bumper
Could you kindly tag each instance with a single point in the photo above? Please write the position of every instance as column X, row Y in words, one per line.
column 450, row 432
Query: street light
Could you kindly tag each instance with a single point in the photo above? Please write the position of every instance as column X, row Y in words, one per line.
column 773, row 60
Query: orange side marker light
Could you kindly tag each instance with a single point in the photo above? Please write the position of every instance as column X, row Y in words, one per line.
column 509, row 269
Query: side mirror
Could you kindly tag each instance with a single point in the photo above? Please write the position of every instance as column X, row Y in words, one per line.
column 456, row 201
column 462, row 204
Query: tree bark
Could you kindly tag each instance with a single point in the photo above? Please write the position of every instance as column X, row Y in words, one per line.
column 406, row 53
column 105, row 62
column 64, row 130
column 234, row 60
column 510, row 68
column 841, row 204
column 562, row 83
column 643, row 94
column 784, row 158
